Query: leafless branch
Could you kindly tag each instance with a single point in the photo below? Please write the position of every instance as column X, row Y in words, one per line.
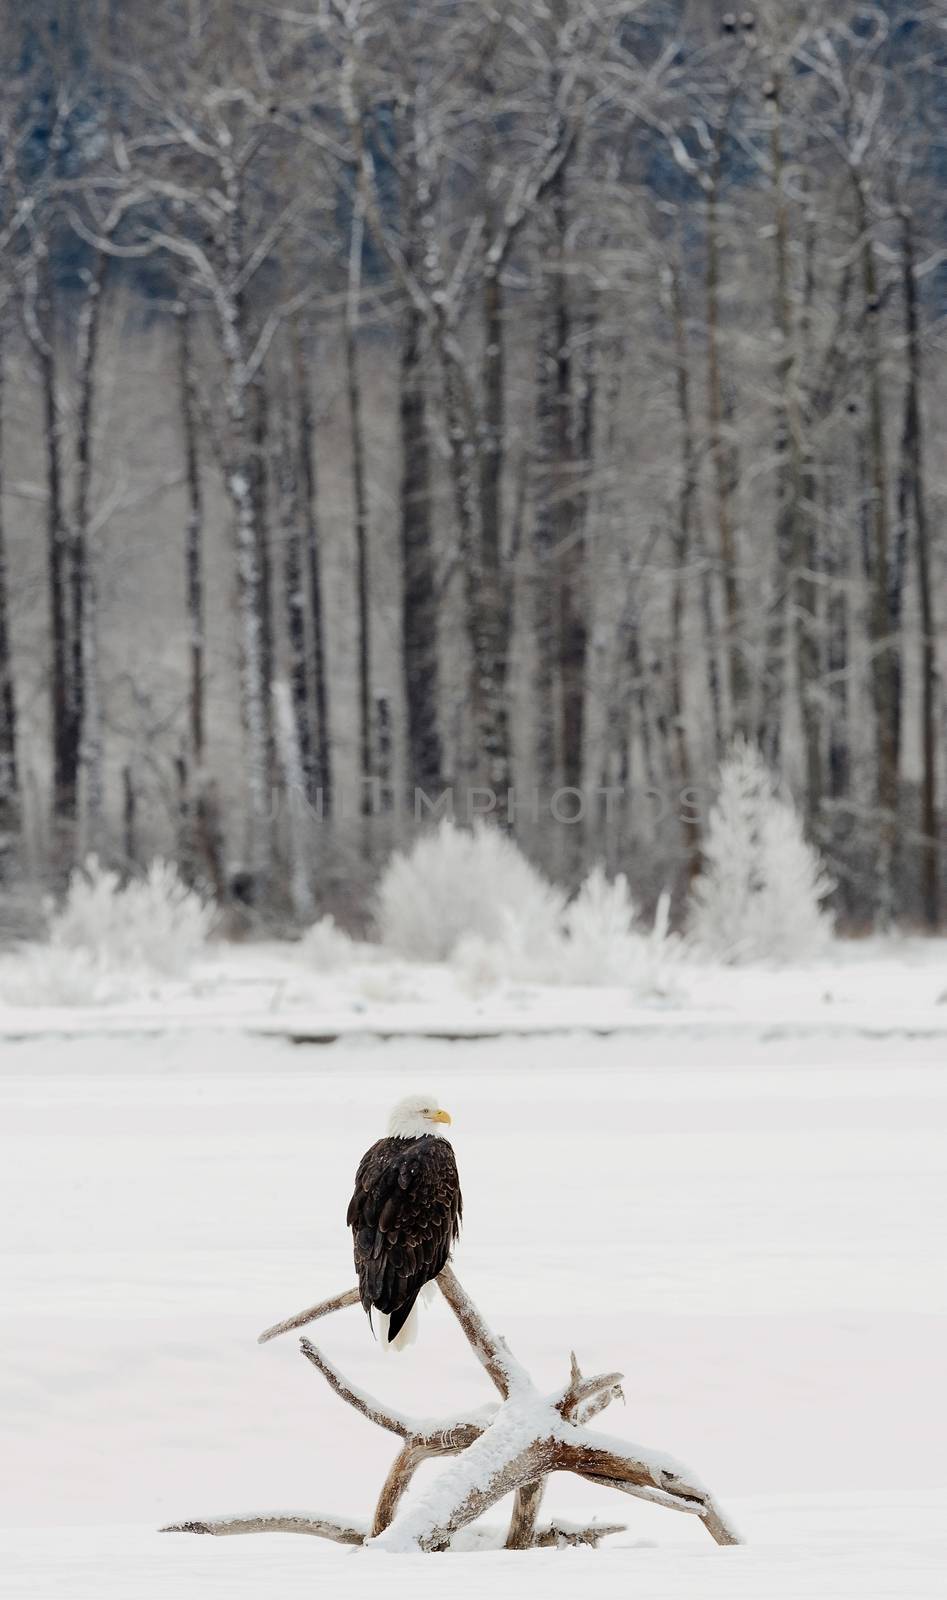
column 311, row 1314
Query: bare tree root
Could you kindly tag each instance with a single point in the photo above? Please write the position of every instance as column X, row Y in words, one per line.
column 509, row 1447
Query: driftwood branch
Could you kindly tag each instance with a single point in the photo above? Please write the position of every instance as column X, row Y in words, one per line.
column 554, row 1536
column 366, row 1404
column 312, row 1314
column 422, row 1441
column 560, row 1537
column 504, row 1372
column 526, row 1503
column 506, row 1448
column 582, row 1390
column 318, row 1527
column 585, row 1413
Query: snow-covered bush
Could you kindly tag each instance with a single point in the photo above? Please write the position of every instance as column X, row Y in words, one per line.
column 473, row 899
column 153, row 924
column 759, row 896
column 598, row 925
column 594, row 940
column 48, row 975
column 454, row 884
column 107, row 939
column 326, row 948
column 604, row 943
column 528, row 948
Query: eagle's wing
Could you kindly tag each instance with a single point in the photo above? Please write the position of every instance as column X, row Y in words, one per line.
column 404, row 1215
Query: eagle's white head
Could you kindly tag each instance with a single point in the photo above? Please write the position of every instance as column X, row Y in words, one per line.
column 415, row 1115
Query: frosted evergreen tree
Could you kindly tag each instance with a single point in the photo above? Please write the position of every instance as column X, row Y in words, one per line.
column 760, row 893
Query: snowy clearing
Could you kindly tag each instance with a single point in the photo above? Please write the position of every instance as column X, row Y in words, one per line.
column 749, row 1231
column 872, row 987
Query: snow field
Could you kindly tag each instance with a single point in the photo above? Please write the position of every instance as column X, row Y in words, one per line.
column 750, row 1230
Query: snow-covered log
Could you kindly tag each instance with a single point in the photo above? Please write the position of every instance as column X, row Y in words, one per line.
column 510, row 1446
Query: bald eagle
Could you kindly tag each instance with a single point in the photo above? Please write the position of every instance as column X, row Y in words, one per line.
column 404, row 1216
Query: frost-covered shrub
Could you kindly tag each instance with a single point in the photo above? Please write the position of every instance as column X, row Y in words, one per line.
column 108, row 939
column 326, row 948
column 153, row 924
column 605, row 944
column 453, row 884
column 594, row 940
column 48, row 975
column 527, row 949
column 598, row 925
column 759, row 896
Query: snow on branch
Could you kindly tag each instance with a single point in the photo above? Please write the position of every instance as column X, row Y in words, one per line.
column 504, row 1371
column 365, row 1403
column 508, row 1448
column 584, row 1390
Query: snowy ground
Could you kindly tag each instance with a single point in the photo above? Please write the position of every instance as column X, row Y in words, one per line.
column 872, row 987
column 750, row 1227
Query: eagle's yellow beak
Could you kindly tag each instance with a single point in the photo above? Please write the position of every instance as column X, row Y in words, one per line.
column 441, row 1116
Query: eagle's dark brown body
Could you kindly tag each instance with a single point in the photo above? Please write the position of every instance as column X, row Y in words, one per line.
column 404, row 1216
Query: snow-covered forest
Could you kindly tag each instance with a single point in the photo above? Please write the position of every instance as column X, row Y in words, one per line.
column 486, row 408
column 473, row 479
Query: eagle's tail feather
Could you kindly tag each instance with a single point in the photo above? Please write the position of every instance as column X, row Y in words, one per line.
column 397, row 1331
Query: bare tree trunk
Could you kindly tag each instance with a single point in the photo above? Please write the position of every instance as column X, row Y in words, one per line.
column 300, row 888
column 192, row 776
column 498, row 592
column 193, row 540
column 418, row 592
column 41, row 329
column 294, row 600
column 260, row 424
column 494, row 423
column 242, row 467
column 683, row 555
column 320, row 791
column 486, row 646
column 569, row 542
column 254, row 714
column 885, row 648
column 838, row 568
column 721, row 451
column 786, row 443
column 546, row 675
column 84, row 576
column 10, row 803
column 384, row 746
column 913, row 492
column 203, row 843
column 793, row 590
column 129, row 818
column 360, row 508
